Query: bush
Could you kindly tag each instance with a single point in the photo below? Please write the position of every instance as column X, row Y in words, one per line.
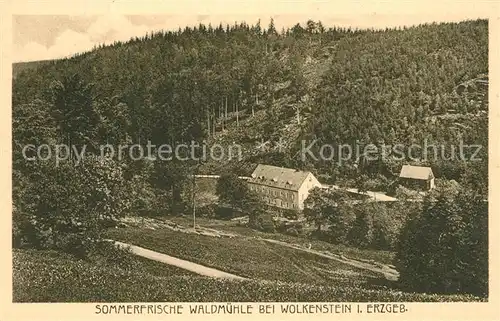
column 292, row 231
column 232, row 190
column 225, row 213
column 378, row 225
column 340, row 223
column 113, row 255
column 290, row 228
column 79, row 245
column 208, row 211
column 444, row 248
column 361, row 233
column 162, row 203
column 290, row 214
column 320, row 235
column 24, row 231
column 65, row 207
column 265, row 223
column 143, row 196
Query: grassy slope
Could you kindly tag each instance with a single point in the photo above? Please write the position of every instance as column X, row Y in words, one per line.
column 245, row 257
column 385, row 257
column 41, row 276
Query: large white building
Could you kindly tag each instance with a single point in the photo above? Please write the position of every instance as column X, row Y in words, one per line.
column 282, row 187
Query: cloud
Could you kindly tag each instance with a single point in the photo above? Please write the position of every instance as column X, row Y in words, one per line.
column 70, row 42
column 118, row 25
column 31, row 51
column 105, row 29
column 65, row 44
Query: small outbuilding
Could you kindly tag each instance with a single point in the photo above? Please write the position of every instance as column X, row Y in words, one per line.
column 417, row 177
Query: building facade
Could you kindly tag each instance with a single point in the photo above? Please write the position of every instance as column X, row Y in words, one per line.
column 285, row 188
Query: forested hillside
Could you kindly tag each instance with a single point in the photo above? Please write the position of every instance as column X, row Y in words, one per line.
column 247, row 84
column 392, row 87
column 19, row 67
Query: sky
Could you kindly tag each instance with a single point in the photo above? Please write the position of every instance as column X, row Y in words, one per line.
column 42, row 36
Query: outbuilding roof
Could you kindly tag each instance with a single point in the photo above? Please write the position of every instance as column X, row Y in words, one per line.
column 416, row 172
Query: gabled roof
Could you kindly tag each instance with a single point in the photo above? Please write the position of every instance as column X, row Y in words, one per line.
column 416, row 172
column 280, row 177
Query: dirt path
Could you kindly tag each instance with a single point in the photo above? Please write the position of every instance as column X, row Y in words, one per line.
column 389, row 274
column 183, row 264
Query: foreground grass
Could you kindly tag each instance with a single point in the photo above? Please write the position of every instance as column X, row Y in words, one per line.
column 43, row 276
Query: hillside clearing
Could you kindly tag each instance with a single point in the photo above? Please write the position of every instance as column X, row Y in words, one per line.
column 231, row 227
column 246, row 257
column 364, row 264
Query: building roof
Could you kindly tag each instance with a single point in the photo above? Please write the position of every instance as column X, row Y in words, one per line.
column 280, row 177
column 416, row 172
